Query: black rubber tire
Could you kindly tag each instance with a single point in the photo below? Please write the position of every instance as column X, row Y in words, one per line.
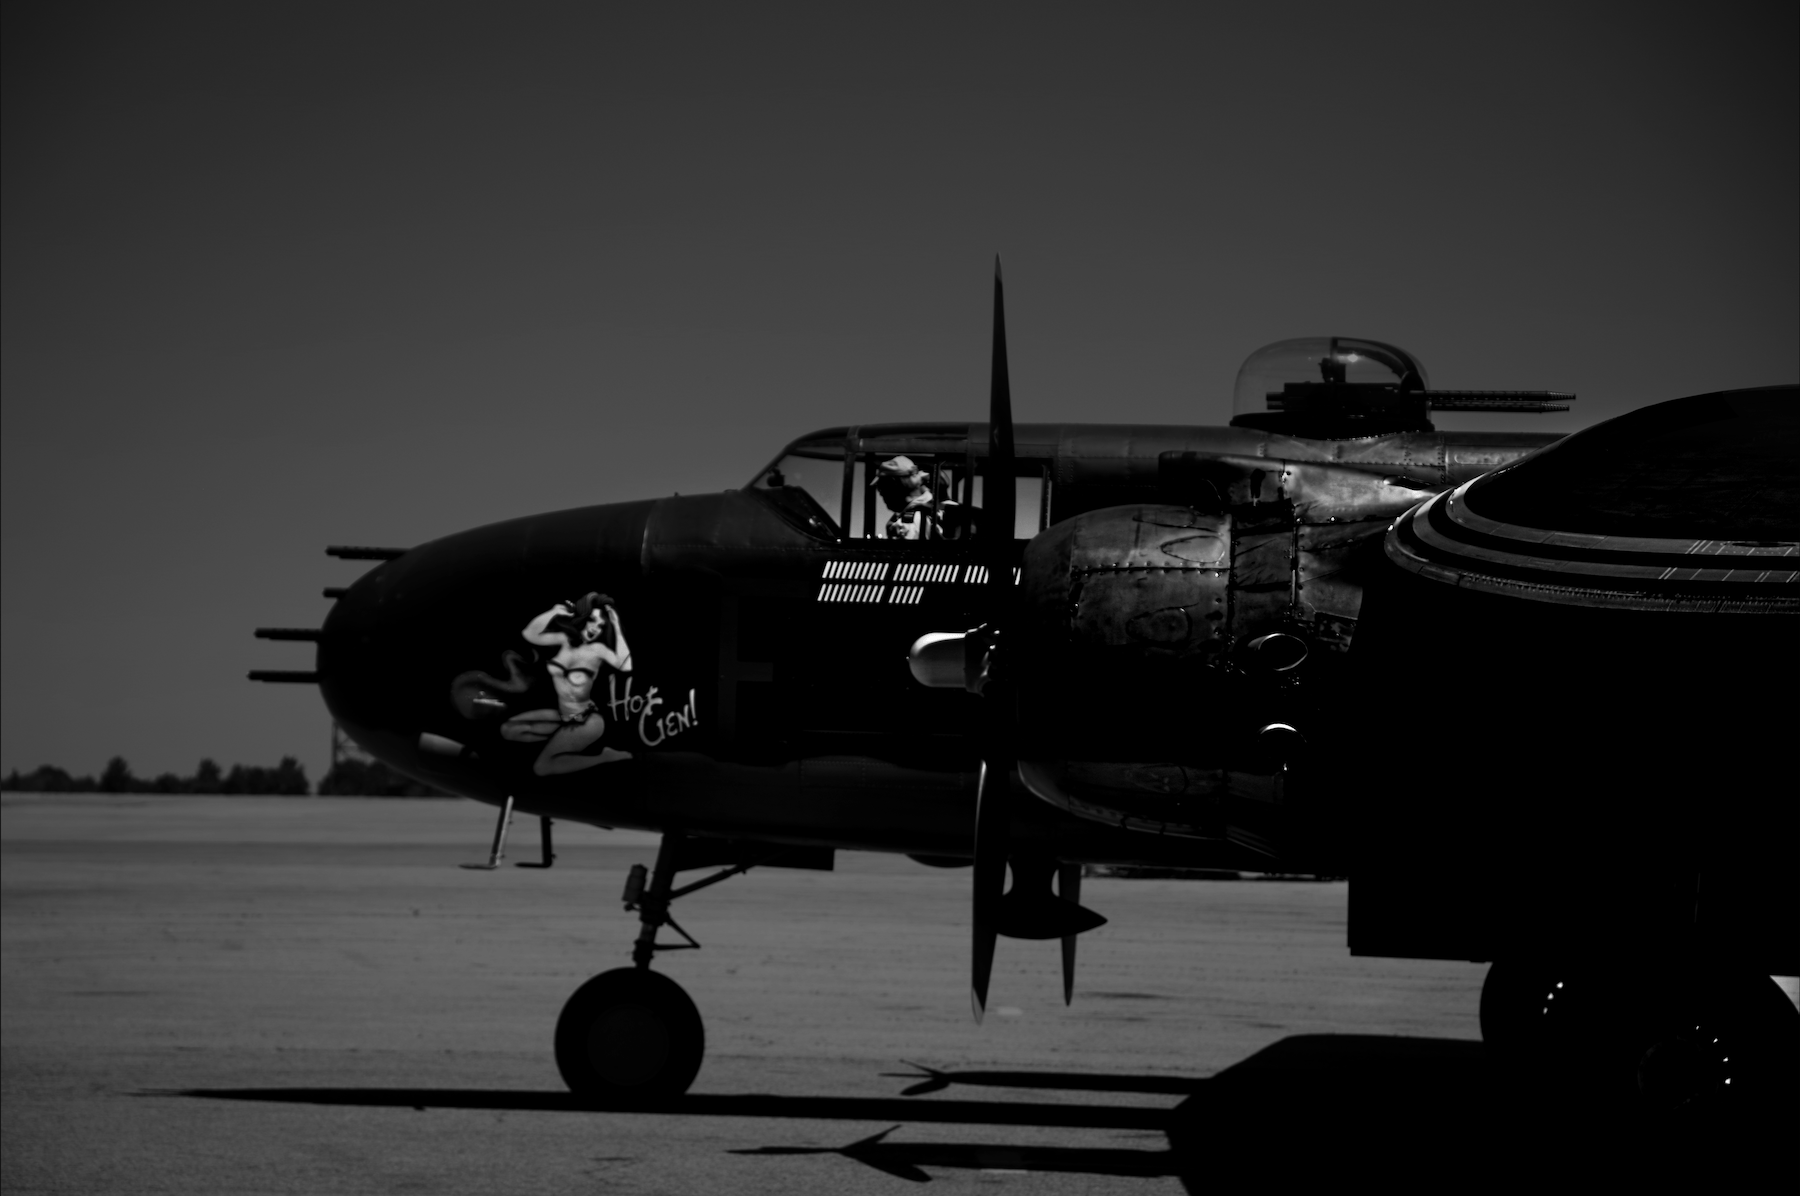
column 1656, row 1035
column 1743, row 1036
column 630, row 1039
column 1512, row 1002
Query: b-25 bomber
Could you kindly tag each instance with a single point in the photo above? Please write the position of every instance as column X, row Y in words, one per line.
column 1031, row 648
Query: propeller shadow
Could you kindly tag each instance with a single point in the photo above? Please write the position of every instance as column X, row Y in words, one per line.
column 932, row 1079
column 907, row 1160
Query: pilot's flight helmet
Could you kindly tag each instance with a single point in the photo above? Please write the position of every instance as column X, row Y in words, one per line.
column 895, row 467
column 897, row 479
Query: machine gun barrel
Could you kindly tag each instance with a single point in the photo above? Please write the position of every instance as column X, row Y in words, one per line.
column 1499, row 400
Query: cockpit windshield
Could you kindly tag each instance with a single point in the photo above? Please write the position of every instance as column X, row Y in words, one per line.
column 807, row 483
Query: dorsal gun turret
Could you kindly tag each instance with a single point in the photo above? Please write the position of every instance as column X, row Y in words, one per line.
column 1344, row 387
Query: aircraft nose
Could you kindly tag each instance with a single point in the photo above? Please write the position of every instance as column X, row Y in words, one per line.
column 398, row 637
column 463, row 662
column 352, row 658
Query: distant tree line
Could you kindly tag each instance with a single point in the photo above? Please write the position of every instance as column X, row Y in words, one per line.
column 347, row 778
column 371, row 778
column 288, row 777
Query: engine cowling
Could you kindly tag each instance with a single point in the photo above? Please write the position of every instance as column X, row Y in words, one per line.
column 1142, row 702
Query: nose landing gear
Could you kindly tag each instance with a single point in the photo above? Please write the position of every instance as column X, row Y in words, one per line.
column 629, row 1038
column 632, row 1038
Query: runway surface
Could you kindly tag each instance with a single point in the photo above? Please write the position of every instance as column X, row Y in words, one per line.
column 306, row 995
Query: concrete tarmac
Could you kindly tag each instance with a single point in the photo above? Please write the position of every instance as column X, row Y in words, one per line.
column 306, row 995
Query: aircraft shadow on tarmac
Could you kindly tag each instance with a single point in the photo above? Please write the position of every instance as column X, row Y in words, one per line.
column 1316, row 1104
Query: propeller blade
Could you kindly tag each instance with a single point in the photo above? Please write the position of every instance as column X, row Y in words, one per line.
column 1068, row 887
column 993, row 807
column 991, row 817
column 999, row 498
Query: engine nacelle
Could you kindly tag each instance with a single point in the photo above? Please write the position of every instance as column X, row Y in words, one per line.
column 1132, row 583
column 1141, row 701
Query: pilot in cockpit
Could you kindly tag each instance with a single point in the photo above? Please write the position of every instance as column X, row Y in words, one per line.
column 916, row 513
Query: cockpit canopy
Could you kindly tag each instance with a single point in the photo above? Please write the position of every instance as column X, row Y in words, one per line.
column 897, row 482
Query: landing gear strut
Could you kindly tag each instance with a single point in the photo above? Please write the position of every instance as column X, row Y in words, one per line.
column 632, row 1038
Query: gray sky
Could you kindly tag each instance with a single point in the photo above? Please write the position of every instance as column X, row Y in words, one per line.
column 278, row 276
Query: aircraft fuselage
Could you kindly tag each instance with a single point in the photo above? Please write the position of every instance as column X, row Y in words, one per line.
column 735, row 665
